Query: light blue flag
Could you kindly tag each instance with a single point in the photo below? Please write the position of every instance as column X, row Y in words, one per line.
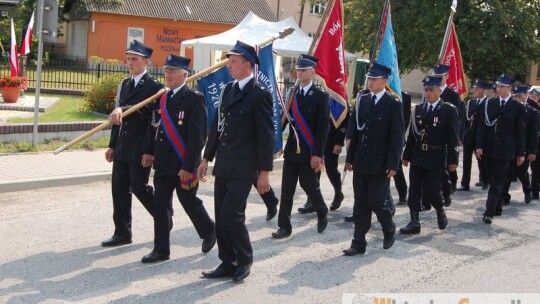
column 267, row 77
column 387, row 56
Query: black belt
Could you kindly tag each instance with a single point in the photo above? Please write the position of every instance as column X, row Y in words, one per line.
column 426, row 147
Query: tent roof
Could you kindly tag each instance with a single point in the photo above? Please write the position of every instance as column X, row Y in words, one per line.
column 253, row 30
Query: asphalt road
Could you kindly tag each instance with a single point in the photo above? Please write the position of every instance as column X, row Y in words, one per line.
column 51, row 252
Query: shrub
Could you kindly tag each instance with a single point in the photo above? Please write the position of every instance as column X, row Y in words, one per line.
column 101, row 97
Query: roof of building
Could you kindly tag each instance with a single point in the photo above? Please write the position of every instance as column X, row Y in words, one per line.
column 218, row 11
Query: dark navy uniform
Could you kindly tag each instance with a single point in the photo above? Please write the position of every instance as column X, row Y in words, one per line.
column 449, row 95
column 243, row 146
column 128, row 141
column 474, row 107
column 531, row 145
column 501, row 136
column 375, row 147
column 399, row 179
column 188, row 112
column 336, row 137
column 314, row 107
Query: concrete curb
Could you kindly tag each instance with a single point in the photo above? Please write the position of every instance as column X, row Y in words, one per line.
column 68, row 180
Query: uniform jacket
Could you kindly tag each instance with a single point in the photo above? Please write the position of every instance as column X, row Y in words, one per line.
column 441, row 130
column 531, row 130
column 406, row 109
column 378, row 146
column 128, row 139
column 505, row 140
column 245, row 145
column 472, row 120
column 315, row 109
column 452, row 97
column 188, row 112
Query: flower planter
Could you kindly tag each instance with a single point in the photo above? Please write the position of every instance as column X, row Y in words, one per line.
column 11, row 94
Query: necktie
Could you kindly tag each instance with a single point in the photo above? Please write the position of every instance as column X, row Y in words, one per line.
column 170, row 95
column 302, row 92
column 236, row 88
column 131, row 85
column 430, row 109
column 502, row 103
column 372, row 103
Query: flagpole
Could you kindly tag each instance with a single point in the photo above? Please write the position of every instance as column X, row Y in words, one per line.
column 151, row 99
column 447, row 33
column 379, row 34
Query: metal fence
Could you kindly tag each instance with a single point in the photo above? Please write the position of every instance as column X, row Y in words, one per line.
column 80, row 75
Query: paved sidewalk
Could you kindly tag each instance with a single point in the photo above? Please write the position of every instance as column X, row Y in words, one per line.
column 25, row 171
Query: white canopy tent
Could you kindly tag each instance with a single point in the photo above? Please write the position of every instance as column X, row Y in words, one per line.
column 253, row 30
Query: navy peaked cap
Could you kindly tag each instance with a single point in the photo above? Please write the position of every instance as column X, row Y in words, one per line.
column 376, row 70
column 246, row 50
column 138, row 48
column 176, row 62
column 306, row 62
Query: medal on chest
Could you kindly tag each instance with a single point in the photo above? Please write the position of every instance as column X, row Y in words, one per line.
column 180, row 117
column 435, row 121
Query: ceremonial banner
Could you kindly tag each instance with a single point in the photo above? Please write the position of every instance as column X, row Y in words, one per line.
column 211, row 86
column 331, row 66
column 386, row 51
column 27, row 41
column 452, row 57
column 13, row 55
column 267, row 77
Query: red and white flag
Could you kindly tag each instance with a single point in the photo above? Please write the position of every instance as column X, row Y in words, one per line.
column 13, row 56
column 25, row 47
column 331, row 66
column 452, row 57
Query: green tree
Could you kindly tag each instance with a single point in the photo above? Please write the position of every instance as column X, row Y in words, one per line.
column 495, row 36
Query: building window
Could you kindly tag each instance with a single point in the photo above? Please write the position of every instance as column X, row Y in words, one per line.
column 135, row 33
column 317, row 9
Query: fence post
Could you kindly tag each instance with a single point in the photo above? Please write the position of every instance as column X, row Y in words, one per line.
column 98, row 70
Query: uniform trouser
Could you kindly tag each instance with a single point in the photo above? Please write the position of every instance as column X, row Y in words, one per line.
column 535, row 177
column 127, row 179
column 370, row 193
column 498, row 172
column 292, row 173
column 331, row 167
column 401, row 183
column 425, row 185
column 468, row 151
column 230, row 200
column 164, row 187
column 269, row 198
column 522, row 173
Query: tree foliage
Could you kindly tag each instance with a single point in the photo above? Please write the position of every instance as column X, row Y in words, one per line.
column 496, row 36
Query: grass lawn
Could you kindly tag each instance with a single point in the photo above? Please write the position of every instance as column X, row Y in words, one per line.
column 67, row 109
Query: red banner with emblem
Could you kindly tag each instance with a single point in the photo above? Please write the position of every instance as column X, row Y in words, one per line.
column 331, row 66
column 452, row 57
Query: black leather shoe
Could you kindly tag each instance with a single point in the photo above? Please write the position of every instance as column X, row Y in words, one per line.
column 528, row 197
column 209, row 242
column 487, row 219
column 505, row 201
column 241, row 273
column 349, row 218
column 442, row 220
column 221, row 271
column 321, row 224
column 498, row 212
column 354, row 251
column 153, row 257
column 411, row 228
column 307, row 208
column 389, row 241
column 281, row 233
column 485, row 186
column 463, row 188
column 447, row 201
column 402, row 201
column 271, row 213
column 116, row 241
column 479, row 184
column 336, row 203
